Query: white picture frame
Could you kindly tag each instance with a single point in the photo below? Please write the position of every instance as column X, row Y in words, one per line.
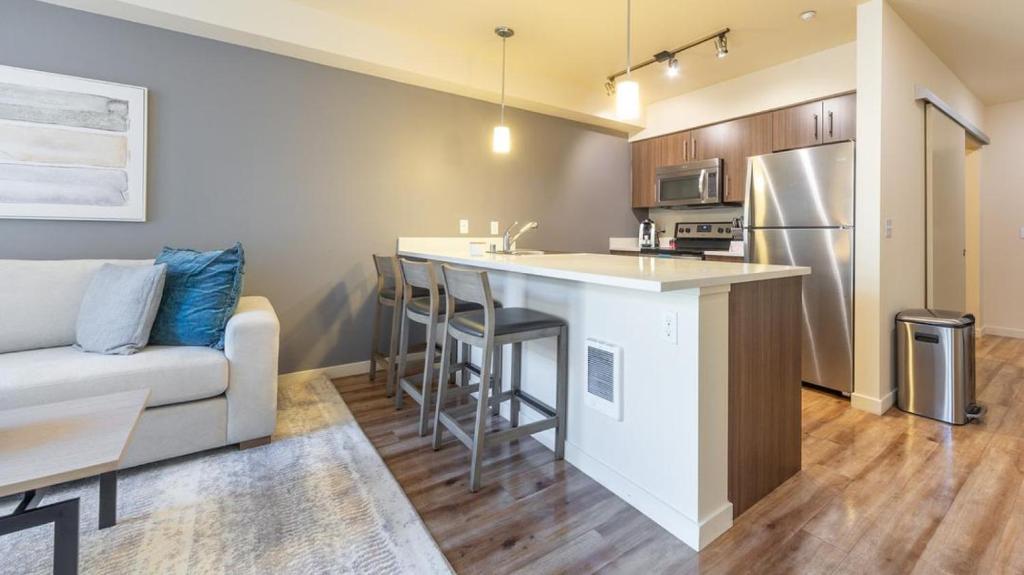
column 71, row 148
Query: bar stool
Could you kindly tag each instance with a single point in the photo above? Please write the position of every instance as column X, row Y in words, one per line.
column 430, row 311
column 490, row 329
column 389, row 291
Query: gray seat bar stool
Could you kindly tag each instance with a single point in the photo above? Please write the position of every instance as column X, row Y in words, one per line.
column 491, row 329
column 430, row 311
column 389, row 292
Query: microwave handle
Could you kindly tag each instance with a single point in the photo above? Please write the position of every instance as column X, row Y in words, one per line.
column 702, row 183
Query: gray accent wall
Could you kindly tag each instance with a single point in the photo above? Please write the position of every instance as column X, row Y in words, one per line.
column 312, row 168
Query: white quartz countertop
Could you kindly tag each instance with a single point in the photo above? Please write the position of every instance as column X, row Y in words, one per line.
column 641, row 273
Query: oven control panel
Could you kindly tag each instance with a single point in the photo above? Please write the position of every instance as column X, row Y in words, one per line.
column 705, row 230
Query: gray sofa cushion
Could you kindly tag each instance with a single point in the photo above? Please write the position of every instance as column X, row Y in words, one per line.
column 172, row 374
column 118, row 308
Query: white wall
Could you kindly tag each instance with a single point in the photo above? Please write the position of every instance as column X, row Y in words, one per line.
column 814, row 76
column 1002, row 215
column 891, row 61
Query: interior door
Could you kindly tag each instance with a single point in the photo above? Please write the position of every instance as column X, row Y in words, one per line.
column 945, row 205
column 827, row 296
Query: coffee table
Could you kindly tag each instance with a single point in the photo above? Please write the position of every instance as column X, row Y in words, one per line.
column 44, row 445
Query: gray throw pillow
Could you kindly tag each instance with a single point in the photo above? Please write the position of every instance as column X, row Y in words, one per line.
column 118, row 309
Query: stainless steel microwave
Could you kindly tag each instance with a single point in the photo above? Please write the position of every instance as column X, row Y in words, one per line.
column 690, row 184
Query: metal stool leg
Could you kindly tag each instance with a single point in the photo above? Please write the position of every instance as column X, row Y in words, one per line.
column 480, row 425
column 403, row 351
column 396, row 316
column 517, row 377
column 496, row 380
column 442, row 390
column 562, row 391
column 375, row 342
column 428, row 377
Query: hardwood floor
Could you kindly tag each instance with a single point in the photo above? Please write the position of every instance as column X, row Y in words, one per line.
column 889, row 494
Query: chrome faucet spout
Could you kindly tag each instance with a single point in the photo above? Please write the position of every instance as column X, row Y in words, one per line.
column 508, row 239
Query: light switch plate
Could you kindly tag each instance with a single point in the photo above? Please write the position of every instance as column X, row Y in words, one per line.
column 494, row 228
column 888, row 227
column 668, row 330
column 463, row 226
column 1022, row 232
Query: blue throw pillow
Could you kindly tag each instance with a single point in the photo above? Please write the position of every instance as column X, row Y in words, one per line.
column 201, row 290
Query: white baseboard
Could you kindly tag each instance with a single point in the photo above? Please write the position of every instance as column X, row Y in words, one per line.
column 875, row 405
column 696, row 534
column 1003, row 331
column 338, row 370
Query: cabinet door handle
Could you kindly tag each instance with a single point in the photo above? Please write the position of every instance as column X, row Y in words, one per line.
column 694, row 156
column 686, row 149
column 830, row 123
column 815, row 127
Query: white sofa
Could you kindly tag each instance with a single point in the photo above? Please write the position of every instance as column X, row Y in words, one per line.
column 200, row 398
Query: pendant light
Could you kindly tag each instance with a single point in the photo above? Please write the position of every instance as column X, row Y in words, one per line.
column 627, row 91
column 501, row 142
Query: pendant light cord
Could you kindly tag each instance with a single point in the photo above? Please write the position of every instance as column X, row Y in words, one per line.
column 503, row 80
column 629, row 36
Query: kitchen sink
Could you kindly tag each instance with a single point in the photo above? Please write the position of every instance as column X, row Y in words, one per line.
column 518, row 253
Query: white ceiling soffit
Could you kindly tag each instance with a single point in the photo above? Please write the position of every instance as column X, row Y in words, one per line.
column 982, row 42
column 557, row 60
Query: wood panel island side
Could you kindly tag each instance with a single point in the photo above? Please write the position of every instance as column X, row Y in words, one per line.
column 708, row 418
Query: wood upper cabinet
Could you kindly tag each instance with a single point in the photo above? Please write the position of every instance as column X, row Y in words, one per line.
column 839, row 118
column 821, row 122
column 734, row 142
column 648, row 156
column 797, row 127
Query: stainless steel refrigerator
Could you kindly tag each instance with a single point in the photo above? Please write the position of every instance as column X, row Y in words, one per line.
column 799, row 211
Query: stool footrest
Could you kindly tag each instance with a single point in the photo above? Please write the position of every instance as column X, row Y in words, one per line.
column 410, row 388
column 535, row 403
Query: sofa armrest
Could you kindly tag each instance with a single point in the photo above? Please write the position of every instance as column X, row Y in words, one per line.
column 251, row 342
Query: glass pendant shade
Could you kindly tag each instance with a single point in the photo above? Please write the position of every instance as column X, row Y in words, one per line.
column 627, row 100
column 501, row 143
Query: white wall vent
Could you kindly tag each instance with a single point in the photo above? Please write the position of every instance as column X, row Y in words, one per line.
column 604, row 378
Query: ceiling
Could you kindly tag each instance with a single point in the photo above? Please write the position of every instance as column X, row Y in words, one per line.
column 982, row 42
column 557, row 60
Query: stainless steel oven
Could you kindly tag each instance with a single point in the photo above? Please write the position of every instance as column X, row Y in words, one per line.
column 690, row 184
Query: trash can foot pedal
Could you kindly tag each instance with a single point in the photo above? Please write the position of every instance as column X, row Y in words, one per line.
column 974, row 413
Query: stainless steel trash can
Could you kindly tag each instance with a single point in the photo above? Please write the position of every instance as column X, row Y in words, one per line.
column 935, row 365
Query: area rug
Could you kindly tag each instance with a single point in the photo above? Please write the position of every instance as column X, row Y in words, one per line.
column 318, row 499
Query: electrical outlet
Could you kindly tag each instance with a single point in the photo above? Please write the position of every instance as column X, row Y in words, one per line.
column 463, row 226
column 669, row 319
column 888, row 227
column 494, row 228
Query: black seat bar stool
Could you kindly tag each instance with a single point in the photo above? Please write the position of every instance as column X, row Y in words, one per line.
column 430, row 310
column 389, row 292
column 490, row 329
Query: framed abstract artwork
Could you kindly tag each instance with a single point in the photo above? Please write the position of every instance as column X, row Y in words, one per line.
column 71, row 148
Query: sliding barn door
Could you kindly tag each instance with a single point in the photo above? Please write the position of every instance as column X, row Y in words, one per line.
column 945, row 205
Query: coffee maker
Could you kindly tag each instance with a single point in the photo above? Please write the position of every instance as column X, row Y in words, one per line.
column 648, row 234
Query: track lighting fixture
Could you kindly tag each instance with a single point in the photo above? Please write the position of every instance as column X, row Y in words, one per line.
column 627, row 91
column 722, row 46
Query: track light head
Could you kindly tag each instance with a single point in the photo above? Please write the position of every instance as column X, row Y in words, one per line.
column 673, row 67
column 722, row 46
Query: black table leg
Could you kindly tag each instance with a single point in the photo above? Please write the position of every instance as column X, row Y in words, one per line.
column 108, row 499
column 63, row 515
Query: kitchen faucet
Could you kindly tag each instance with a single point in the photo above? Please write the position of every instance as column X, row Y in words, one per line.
column 508, row 239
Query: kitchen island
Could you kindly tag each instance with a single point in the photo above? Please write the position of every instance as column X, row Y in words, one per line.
column 705, row 416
